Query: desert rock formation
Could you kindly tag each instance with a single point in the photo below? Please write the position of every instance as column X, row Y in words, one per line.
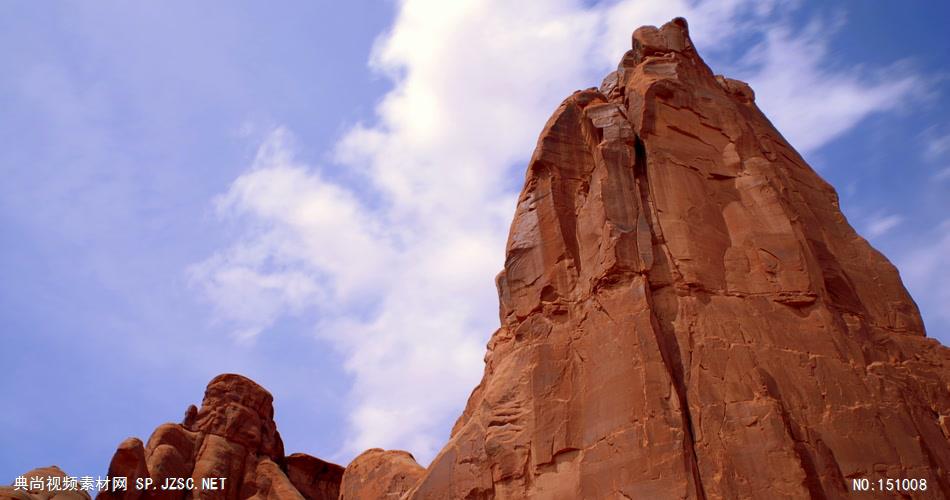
column 315, row 479
column 376, row 473
column 685, row 313
column 44, row 493
column 232, row 435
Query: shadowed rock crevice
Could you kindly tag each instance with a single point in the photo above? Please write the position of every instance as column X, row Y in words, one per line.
column 664, row 314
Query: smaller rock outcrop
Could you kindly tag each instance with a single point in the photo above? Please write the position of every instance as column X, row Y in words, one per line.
column 233, row 436
column 380, row 474
column 46, row 475
column 314, row 478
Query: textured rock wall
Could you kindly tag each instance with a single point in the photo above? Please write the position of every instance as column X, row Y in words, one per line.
column 687, row 314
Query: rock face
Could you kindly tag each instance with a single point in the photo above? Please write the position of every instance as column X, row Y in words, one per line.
column 378, row 474
column 314, row 478
column 232, row 435
column 685, row 313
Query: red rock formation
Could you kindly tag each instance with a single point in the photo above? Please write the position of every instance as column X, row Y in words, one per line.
column 687, row 314
column 47, row 492
column 232, row 436
column 378, row 474
column 314, row 478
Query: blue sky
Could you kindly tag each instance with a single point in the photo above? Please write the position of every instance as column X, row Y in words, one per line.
column 317, row 195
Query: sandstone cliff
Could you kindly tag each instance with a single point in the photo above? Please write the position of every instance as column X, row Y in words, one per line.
column 685, row 313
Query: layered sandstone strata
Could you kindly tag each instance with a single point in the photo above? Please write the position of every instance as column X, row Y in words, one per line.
column 686, row 313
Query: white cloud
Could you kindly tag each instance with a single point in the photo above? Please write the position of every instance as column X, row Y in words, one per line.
column 401, row 292
column 880, row 224
column 399, row 261
column 936, row 145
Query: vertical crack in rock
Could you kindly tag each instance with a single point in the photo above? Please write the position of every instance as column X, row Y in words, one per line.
column 663, row 316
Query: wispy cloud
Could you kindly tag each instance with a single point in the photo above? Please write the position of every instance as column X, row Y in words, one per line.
column 398, row 258
column 925, row 272
column 936, row 146
column 881, row 224
column 936, row 151
column 401, row 295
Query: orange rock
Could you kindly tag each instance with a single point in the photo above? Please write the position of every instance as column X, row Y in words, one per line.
column 46, row 492
column 128, row 462
column 380, row 474
column 314, row 478
column 233, row 436
column 270, row 483
column 685, row 313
